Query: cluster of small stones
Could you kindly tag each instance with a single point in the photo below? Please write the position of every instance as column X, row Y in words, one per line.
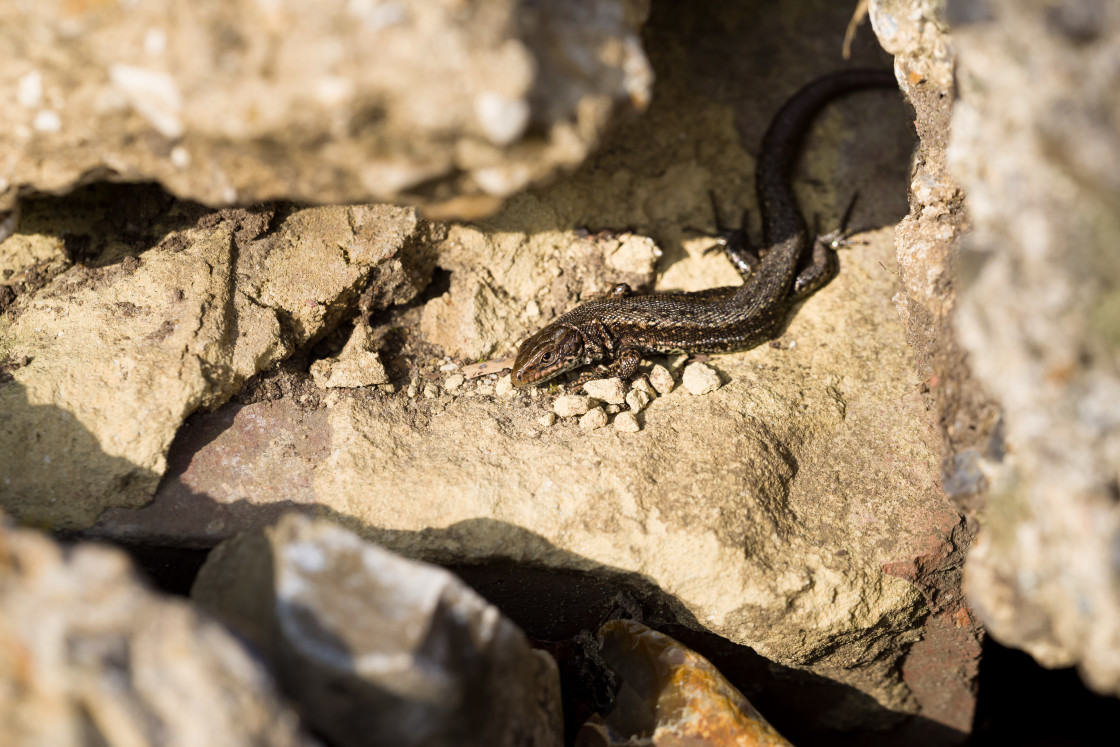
column 607, row 400
column 604, row 401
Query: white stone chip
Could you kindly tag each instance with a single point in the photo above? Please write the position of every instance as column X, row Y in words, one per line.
column 626, row 422
column 547, row 419
column 637, row 399
column 594, row 418
column 453, row 382
column 613, row 409
column 430, row 391
column 570, row 405
column 700, row 378
column 504, row 387
column 661, row 379
column 612, row 391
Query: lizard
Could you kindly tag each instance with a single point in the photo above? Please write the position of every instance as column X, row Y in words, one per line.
column 622, row 326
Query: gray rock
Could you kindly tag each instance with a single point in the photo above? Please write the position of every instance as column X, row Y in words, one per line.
column 377, row 649
column 92, row 656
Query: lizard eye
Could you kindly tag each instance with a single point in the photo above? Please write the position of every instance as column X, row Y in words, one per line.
column 546, row 357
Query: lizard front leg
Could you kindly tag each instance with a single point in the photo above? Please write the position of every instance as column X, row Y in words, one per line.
column 623, row 366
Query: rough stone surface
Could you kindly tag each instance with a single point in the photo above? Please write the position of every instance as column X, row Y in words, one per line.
column 357, row 365
column 1035, row 142
column 334, row 101
column 795, row 510
column 612, row 391
column 594, row 418
column 661, row 380
column 570, row 405
column 119, row 349
column 637, row 399
column 626, row 422
column 88, row 655
column 379, row 650
column 699, row 378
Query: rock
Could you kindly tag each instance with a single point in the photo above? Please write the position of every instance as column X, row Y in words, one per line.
column 593, row 419
column 612, row 409
column 504, row 387
column 379, row 650
column 453, row 382
column 612, row 391
column 700, row 378
column 1038, row 316
column 814, row 532
column 338, row 103
column 661, row 380
column 547, row 419
column 641, row 384
column 120, row 354
column 637, row 399
column 670, row 695
column 357, row 365
column 570, row 405
column 626, row 422
column 90, row 654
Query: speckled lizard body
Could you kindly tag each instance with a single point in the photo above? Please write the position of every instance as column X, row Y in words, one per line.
column 621, row 327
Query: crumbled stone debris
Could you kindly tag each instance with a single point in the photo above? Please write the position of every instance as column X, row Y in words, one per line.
column 637, row 399
column 626, row 422
column 642, row 385
column 547, row 419
column 504, row 387
column 453, row 382
column 612, row 391
column 700, row 378
column 570, row 405
column 593, row 418
column 661, row 379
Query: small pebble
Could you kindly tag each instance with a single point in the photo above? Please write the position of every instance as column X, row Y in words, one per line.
column 430, row 391
column 594, row 418
column 700, row 378
column 643, row 385
column 504, row 387
column 484, row 390
column 413, row 390
column 661, row 379
column 569, row 405
column 627, row 422
column 611, row 391
column 547, row 419
column 637, row 399
column 613, row 409
column 448, row 367
column 454, row 381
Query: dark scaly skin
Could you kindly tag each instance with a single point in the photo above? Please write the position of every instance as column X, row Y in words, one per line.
column 621, row 328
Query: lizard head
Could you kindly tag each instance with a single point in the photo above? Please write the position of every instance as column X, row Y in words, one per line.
column 552, row 351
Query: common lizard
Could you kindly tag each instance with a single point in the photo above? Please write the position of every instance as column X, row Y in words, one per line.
column 622, row 327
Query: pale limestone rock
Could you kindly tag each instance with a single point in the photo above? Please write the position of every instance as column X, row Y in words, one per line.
column 637, row 399
column 120, row 355
column 570, row 405
column 661, row 380
column 453, row 382
column 593, row 419
column 700, row 378
column 612, row 391
column 547, row 419
column 641, row 384
column 504, row 386
column 626, row 422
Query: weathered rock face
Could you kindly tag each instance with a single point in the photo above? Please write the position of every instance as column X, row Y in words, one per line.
column 377, row 649
column 89, row 656
column 1035, row 141
column 106, row 361
column 453, row 106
